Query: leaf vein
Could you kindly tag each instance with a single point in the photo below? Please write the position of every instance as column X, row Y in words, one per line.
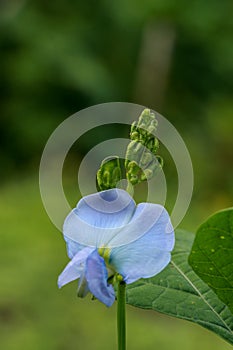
column 202, row 297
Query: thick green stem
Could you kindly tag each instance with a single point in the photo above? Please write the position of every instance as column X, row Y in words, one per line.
column 121, row 315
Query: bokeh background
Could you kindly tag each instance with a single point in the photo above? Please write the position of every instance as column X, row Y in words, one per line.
column 59, row 57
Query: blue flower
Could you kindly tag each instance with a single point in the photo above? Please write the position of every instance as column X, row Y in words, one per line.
column 107, row 234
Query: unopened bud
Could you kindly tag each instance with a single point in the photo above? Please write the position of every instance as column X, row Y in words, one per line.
column 141, row 162
column 109, row 173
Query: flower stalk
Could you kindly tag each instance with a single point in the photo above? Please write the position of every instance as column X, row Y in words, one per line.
column 121, row 322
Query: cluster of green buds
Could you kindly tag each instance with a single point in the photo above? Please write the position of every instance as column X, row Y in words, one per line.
column 141, row 161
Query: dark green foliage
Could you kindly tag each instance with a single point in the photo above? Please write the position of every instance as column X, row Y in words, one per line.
column 57, row 58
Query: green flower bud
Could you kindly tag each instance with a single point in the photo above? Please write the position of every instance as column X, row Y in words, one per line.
column 109, row 173
column 134, row 152
column 147, row 175
column 141, row 162
column 153, row 144
column 133, row 172
column 146, row 158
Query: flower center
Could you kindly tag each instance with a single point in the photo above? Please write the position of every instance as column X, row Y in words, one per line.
column 105, row 253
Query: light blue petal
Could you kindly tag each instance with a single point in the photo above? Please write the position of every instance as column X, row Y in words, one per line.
column 107, row 209
column 82, row 286
column 149, row 254
column 99, row 217
column 97, row 275
column 160, row 232
column 132, row 265
column 72, row 247
column 148, row 217
column 75, row 267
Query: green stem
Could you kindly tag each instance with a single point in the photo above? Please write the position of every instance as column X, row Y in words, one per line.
column 129, row 188
column 121, row 315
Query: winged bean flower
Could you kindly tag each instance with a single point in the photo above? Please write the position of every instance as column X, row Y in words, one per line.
column 107, row 234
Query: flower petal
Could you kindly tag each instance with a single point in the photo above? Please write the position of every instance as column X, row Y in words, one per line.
column 72, row 247
column 75, row 267
column 97, row 275
column 107, row 209
column 149, row 254
column 99, row 217
column 132, row 265
column 82, row 286
column 148, row 217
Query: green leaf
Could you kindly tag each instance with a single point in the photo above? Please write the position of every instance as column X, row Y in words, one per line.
column 212, row 255
column 179, row 292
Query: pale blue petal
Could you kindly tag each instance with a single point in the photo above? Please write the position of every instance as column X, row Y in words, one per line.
column 99, row 217
column 148, row 217
column 133, row 265
column 72, row 247
column 107, row 209
column 75, row 267
column 97, row 275
column 82, row 286
column 148, row 255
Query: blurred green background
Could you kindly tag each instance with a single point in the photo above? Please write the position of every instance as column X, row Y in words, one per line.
column 59, row 57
